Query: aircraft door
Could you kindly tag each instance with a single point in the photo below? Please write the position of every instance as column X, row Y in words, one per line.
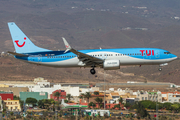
column 39, row 58
column 157, row 54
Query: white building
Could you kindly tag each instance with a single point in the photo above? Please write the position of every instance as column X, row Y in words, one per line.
column 43, row 84
column 85, row 90
column 73, row 91
column 49, row 90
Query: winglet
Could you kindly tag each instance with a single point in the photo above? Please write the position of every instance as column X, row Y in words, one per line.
column 68, row 47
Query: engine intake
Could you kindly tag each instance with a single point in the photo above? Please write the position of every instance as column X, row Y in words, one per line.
column 111, row 64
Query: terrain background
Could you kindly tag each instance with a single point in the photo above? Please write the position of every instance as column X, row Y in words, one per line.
column 90, row 24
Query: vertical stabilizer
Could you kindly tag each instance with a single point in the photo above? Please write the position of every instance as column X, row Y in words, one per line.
column 21, row 42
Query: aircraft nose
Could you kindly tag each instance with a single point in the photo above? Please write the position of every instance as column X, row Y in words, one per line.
column 174, row 56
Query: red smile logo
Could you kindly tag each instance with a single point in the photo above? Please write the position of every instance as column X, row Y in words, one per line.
column 19, row 44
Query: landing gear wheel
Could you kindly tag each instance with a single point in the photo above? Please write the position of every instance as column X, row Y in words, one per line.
column 160, row 69
column 92, row 71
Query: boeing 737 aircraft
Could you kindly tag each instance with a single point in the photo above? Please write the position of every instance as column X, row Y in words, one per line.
column 108, row 59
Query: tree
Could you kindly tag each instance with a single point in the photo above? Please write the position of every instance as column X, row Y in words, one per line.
column 148, row 104
column 117, row 106
column 40, row 104
column 66, row 101
column 46, row 103
column 141, row 111
column 127, row 105
column 92, row 104
column 81, row 96
column 98, row 100
column 57, row 94
column 167, row 105
column 96, row 93
column 11, row 113
column 120, row 100
column 68, row 96
column 109, row 106
column 87, row 95
column 16, row 97
column 31, row 101
column 175, row 107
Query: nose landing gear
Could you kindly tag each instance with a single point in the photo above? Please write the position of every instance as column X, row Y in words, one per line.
column 160, row 69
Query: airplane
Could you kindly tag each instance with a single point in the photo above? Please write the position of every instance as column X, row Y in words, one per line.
column 108, row 59
column 66, row 106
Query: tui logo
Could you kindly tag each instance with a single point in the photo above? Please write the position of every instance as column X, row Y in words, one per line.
column 17, row 42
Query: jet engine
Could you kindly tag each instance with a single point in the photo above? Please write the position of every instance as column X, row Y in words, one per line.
column 111, row 64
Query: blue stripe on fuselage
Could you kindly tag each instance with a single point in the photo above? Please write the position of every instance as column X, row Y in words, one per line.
column 53, row 56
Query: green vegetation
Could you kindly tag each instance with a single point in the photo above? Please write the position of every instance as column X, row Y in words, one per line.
column 141, row 111
column 57, row 94
column 99, row 101
column 46, row 103
column 120, row 100
column 117, row 106
column 91, row 104
column 96, row 93
column 68, row 96
column 32, row 101
column 87, row 95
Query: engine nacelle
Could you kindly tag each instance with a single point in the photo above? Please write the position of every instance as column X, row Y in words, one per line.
column 111, row 64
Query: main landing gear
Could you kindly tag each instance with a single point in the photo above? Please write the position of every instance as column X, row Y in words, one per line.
column 93, row 71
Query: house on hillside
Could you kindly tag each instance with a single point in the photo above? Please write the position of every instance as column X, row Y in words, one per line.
column 170, row 97
column 12, row 105
column 62, row 95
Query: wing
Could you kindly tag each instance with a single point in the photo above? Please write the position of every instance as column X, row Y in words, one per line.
column 85, row 58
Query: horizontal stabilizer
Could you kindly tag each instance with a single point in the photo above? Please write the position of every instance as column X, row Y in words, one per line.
column 17, row 54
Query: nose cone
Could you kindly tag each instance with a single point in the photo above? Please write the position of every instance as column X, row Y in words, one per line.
column 174, row 56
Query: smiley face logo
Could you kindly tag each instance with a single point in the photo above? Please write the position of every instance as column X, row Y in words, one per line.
column 17, row 42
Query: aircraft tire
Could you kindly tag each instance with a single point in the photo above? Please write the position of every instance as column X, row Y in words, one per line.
column 160, row 69
column 92, row 71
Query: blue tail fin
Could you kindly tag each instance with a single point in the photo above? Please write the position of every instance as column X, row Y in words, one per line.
column 21, row 42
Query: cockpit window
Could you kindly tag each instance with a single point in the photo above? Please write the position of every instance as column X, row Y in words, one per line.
column 167, row 53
